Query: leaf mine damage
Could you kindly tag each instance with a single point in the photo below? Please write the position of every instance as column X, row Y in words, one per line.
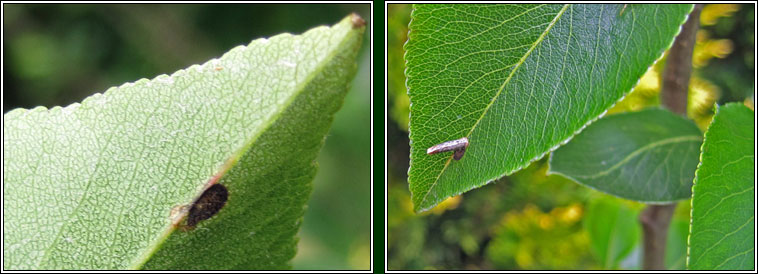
column 208, row 204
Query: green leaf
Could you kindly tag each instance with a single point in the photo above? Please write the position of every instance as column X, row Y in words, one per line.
column 613, row 230
column 92, row 185
column 676, row 244
column 518, row 80
column 646, row 156
column 723, row 199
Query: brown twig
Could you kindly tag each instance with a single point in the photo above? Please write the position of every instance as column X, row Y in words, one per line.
column 676, row 74
column 655, row 219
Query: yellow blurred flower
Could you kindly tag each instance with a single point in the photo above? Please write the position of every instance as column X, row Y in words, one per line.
column 650, row 80
column 447, row 204
column 712, row 12
column 570, row 214
column 705, row 49
column 700, row 101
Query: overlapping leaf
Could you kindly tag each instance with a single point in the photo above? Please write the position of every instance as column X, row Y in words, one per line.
column 612, row 229
column 723, row 199
column 518, row 80
column 91, row 185
column 646, row 156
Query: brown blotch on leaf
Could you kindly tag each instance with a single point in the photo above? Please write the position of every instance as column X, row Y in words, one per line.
column 209, row 203
column 458, row 154
column 357, row 20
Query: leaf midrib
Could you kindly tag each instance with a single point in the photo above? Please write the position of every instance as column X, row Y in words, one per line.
column 500, row 90
column 680, row 139
column 232, row 161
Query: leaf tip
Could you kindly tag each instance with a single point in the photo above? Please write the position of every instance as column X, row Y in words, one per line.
column 357, row 21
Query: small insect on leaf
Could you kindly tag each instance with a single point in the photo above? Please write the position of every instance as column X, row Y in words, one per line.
column 209, row 203
column 458, row 147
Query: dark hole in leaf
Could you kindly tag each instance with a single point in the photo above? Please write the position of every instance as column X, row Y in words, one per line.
column 208, row 204
column 458, row 154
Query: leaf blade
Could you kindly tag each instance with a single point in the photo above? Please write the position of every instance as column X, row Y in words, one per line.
column 506, row 90
column 612, row 230
column 646, row 156
column 164, row 150
column 722, row 217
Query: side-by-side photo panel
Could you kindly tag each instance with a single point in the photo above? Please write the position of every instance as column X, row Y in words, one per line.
column 187, row 136
column 570, row 136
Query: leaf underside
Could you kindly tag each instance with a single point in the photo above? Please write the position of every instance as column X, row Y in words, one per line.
column 723, row 199
column 92, row 185
column 518, row 80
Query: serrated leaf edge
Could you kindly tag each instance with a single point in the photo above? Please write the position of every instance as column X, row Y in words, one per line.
column 417, row 209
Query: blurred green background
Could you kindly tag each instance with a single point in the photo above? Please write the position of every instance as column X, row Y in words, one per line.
column 532, row 221
column 55, row 55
